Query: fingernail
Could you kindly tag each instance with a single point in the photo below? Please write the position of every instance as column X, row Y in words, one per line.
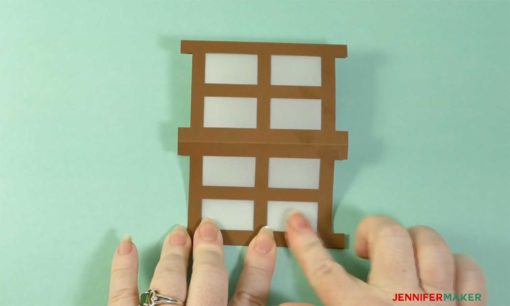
column 264, row 242
column 208, row 230
column 297, row 221
column 126, row 245
column 178, row 236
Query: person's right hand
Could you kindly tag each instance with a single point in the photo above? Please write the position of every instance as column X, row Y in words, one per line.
column 417, row 260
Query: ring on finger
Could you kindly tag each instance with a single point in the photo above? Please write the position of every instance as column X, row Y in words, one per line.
column 152, row 298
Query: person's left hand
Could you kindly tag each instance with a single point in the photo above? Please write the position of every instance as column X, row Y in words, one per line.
column 209, row 279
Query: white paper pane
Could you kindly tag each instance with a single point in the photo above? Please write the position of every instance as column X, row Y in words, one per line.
column 298, row 114
column 228, row 171
column 296, row 70
column 277, row 212
column 229, row 214
column 230, row 68
column 230, row 112
column 301, row 173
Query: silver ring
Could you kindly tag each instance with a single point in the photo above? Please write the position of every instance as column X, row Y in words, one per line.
column 152, row 298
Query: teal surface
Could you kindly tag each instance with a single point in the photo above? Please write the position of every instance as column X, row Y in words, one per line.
column 92, row 93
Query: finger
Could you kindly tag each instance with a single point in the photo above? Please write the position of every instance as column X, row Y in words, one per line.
column 170, row 274
column 331, row 282
column 295, row 304
column 209, row 279
column 255, row 280
column 434, row 260
column 469, row 278
column 389, row 247
column 124, row 277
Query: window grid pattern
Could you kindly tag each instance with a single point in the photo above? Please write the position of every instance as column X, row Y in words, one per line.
column 327, row 144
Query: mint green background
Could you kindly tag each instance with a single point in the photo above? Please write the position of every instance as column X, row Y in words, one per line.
column 92, row 93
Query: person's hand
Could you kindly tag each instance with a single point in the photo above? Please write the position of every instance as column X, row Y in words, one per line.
column 403, row 261
column 417, row 260
column 209, row 279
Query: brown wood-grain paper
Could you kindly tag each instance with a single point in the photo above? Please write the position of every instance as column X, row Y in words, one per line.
column 327, row 144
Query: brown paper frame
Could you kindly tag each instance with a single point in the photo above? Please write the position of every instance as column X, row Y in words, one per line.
column 327, row 144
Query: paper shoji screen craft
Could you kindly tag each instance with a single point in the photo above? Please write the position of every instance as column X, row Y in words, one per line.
column 262, row 137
